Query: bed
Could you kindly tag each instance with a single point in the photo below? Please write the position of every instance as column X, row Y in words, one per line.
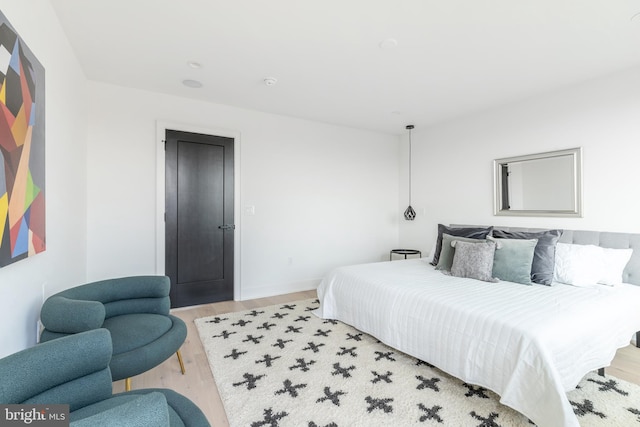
column 529, row 344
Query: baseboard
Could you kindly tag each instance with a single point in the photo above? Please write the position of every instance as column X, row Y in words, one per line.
column 272, row 290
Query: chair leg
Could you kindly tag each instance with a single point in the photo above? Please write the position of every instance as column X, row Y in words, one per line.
column 127, row 384
column 180, row 360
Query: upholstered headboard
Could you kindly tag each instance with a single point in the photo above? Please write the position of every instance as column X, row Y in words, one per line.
column 599, row 238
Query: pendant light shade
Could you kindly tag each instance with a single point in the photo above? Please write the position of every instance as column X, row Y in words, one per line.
column 409, row 213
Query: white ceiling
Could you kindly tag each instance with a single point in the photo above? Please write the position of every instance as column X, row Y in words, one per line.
column 452, row 57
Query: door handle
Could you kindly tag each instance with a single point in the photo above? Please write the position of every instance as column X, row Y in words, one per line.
column 227, row 227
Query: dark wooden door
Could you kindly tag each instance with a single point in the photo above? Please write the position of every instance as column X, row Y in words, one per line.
column 199, row 227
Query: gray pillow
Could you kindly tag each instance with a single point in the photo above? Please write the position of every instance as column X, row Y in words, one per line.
column 472, row 233
column 473, row 260
column 446, row 254
column 544, row 257
column 512, row 260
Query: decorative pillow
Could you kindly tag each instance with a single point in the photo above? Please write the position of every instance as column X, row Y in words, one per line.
column 513, row 259
column 544, row 257
column 447, row 252
column 473, row 260
column 472, row 233
column 589, row 265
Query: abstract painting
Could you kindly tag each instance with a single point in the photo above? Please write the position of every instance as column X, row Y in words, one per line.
column 22, row 151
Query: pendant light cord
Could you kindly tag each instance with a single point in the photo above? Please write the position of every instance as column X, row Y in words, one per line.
column 410, row 127
column 409, row 167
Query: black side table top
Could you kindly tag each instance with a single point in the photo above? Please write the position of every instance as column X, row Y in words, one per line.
column 404, row 252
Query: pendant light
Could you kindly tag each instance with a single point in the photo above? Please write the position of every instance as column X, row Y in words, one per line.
column 409, row 213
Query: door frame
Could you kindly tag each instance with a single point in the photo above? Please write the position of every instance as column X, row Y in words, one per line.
column 161, row 128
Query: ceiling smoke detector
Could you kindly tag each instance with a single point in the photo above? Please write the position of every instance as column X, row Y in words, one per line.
column 270, row 81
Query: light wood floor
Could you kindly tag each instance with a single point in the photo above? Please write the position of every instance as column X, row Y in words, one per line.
column 198, row 383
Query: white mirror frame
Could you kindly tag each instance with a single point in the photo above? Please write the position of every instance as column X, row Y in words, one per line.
column 575, row 153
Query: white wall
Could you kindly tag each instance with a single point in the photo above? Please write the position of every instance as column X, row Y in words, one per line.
column 24, row 284
column 324, row 195
column 453, row 160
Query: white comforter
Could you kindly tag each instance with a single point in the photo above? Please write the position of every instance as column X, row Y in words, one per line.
column 529, row 344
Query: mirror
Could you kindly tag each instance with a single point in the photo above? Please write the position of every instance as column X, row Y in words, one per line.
column 543, row 184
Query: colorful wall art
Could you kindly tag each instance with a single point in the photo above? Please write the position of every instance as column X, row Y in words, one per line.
column 22, row 151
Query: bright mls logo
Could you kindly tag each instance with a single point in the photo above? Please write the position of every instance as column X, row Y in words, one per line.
column 34, row 415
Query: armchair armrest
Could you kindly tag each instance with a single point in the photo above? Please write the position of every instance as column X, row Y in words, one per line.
column 70, row 316
column 72, row 369
column 125, row 295
column 146, row 410
column 131, row 287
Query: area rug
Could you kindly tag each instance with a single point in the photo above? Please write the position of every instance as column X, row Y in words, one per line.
column 282, row 366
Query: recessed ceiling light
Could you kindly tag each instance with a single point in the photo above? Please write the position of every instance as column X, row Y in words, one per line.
column 388, row 44
column 194, row 64
column 270, row 81
column 192, row 83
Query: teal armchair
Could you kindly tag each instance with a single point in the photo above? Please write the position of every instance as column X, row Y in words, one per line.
column 74, row 370
column 134, row 309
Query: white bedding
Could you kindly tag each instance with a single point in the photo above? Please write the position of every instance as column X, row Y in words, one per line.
column 529, row 344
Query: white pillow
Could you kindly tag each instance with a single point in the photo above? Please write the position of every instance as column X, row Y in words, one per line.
column 589, row 265
column 578, row 265
column 614, row 260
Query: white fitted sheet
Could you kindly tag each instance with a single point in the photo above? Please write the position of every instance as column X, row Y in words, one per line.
column 529, row 344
